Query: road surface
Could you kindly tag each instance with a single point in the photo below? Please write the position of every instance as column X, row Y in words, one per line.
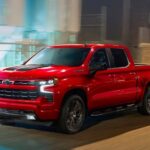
column 129, row 131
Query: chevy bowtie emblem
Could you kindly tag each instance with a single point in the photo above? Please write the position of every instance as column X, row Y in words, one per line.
column 7, row 82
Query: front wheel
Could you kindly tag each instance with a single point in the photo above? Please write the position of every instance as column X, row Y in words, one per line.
column 73, row 114
column 144, row 106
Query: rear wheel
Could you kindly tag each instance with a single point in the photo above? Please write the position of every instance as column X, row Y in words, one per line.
column 144, row 107
column 73, row 114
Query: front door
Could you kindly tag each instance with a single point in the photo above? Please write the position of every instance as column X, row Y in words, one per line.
column 102, row 84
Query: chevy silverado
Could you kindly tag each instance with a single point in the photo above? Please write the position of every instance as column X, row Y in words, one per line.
column 65, row 83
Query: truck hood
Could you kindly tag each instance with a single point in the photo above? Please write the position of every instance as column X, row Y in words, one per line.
column 33, row 72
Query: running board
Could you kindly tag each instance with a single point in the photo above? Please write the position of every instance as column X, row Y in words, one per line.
column 117, row 109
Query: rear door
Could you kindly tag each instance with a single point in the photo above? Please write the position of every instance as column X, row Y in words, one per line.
column 125, row 78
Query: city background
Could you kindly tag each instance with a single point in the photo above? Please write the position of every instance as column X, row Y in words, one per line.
column 28, row 25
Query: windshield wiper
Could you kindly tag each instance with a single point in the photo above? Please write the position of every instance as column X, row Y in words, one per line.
column 44, row 65
column 47, row 65
column 41, row 65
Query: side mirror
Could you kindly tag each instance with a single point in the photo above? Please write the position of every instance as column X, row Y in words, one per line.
column 95, row 68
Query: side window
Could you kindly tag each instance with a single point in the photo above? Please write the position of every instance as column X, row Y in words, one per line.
column 99, row 58
column 119, row 58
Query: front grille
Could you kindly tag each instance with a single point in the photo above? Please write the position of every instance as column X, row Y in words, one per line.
column 19, row 94
column 24, row 83
column 8, row 82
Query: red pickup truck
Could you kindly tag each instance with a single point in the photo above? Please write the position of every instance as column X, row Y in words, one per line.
column 64, row 83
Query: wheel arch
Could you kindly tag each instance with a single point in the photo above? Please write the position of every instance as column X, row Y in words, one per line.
column 146, row 86
column 79, row 91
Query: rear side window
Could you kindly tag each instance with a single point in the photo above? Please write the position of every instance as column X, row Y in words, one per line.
column 119, row 58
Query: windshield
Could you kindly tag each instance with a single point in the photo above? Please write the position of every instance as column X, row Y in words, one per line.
column 60, row 57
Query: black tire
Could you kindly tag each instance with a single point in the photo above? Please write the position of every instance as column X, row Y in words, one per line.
column 72, row 115
column 144, row 106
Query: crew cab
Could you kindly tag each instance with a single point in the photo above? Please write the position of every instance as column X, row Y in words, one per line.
column 65, row 83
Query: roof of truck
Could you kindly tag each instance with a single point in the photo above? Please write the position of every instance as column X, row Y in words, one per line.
column 87, row 45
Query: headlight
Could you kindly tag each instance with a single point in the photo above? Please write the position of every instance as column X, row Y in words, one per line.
column 51, row 82
column 45, row 84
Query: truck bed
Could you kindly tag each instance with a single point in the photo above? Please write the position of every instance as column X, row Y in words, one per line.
column 142, row 67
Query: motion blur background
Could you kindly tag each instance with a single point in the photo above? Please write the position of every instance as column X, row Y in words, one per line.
column 28, row 25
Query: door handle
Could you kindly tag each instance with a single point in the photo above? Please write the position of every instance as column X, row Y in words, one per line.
column 132, row 73
column 111, row 75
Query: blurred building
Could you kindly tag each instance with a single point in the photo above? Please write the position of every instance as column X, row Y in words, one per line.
column 28, row 25
column 124, row 21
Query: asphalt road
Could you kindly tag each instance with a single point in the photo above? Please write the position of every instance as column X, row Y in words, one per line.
column 123, row 131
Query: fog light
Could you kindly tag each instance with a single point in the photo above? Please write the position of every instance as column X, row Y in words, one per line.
column 30, row 117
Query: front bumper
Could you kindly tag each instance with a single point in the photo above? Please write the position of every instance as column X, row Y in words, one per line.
column 40, row 106
column 44, row 111
column 17, row 114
